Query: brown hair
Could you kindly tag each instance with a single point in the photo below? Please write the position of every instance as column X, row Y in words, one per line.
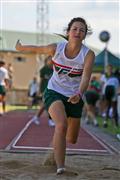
column 77, row 19
column 88, row 29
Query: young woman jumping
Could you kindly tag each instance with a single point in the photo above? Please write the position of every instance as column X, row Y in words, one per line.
column 72, row 63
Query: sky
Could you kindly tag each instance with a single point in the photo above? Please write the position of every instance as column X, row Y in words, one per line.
column 20, row 15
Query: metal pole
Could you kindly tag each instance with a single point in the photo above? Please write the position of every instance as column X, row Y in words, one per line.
column 106, row 57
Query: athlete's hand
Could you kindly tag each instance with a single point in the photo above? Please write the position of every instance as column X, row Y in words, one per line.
column 18, row 45
column 74, row 99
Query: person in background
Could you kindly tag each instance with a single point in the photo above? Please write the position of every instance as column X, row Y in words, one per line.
column 103, row 79
column 10, row 73
column 4, row 85
column 117, row 72
column 63, row 98
column 110, row 95
column 92, row 96
column 33, row 91
column 118, row 111
column 45, row 73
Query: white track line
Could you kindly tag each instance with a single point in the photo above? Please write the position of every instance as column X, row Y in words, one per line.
column 22, row 132
column 47, row 148
column 99, row 141
column 104, row 143
column 68, row 149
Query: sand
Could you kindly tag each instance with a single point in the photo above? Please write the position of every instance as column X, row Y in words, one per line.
column 29, row 166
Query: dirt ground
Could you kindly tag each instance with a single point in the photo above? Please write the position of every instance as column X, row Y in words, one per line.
column 27, row 166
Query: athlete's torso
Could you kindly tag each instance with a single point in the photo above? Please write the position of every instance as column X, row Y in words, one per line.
column 67, row 72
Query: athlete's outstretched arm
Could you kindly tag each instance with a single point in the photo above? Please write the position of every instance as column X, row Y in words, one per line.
column 48, row 49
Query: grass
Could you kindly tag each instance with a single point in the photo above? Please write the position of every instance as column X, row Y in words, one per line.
column 16, row 107
column 13, row 107
column 112, row 129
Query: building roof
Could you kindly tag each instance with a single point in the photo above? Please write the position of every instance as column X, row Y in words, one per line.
column 9, row 39
column 112, row 59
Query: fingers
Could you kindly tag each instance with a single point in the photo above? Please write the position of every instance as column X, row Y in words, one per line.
column 69, row 100
column 74, row 99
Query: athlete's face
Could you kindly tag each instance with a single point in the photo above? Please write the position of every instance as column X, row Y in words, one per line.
column 77, row 31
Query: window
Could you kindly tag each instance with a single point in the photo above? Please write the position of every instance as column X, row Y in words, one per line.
column 20, row 59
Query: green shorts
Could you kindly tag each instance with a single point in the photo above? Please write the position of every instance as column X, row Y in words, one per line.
column 91, row 97
column 72, row 110
column 110, row 93
column 2, row 90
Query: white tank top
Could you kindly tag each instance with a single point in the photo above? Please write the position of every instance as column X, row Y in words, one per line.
column 67, row 72
column 3, row 75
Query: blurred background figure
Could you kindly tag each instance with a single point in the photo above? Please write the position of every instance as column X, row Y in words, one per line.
column 110, row 96
column 4, row 85
column 103, row 79
column 33, row 91
column 118, row 109
column 117, row 73
column 92, row 96
column 45, row 73
column 10, row 74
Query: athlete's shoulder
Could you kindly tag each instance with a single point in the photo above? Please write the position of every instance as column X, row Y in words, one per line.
column 61, row 44
column 90, row 51
column 57, row 46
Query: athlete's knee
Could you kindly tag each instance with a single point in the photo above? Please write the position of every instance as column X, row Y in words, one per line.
column 61, row 128
column 71, row 140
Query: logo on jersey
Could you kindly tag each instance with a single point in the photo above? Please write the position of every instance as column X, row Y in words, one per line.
column 70, row 71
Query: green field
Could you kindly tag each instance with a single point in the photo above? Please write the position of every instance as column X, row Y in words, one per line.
column 112, row 129
column 22, row 108
column 12, row 108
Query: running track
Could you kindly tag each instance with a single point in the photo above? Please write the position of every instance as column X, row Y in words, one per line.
column 18, row 134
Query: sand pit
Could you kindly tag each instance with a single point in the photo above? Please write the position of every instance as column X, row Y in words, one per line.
column 22, row 166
